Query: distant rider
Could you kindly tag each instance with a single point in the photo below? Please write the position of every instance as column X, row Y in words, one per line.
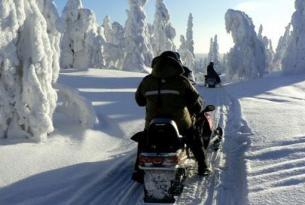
column 211, row 73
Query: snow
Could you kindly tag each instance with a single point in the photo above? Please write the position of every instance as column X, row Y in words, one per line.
column 272, row 109
column 78, row 108
column 74, row 147
column 262, row 161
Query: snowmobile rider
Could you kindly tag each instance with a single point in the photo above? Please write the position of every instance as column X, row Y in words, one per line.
column 211, row 73
column 166, row 92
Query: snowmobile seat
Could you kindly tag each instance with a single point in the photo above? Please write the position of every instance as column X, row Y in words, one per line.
column 162, row 136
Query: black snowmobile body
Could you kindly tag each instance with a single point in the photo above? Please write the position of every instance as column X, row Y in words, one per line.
column 211, row 82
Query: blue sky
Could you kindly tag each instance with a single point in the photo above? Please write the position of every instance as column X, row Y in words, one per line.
column 208, row 16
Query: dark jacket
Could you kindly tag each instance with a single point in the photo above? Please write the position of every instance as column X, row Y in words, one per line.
column 166, row 93
column 211, row 73
column 189, row 75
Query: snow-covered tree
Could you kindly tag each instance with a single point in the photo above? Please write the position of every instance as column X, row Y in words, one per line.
column 163, row 32
column 187, row 58
column 54, row 27
column 114, row 45
column 210, row 54
column 294, row 60
column 268, row 48
column 213, row 55
column 186, row 48
column 138, row 51
column 247, row 58
column 107, row 29
column 260, row 32
column 82, row 42
column 281, row 48
column 189, row 34
column 28, row 66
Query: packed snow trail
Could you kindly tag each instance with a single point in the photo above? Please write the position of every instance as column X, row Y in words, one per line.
column 101, row 161
column 95, row 166
column 77, row 166
column 117, row 187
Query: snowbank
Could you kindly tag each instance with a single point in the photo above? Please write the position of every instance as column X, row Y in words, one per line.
column 75, row 106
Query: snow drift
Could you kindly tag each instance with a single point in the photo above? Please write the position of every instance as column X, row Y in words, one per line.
column 78, row 108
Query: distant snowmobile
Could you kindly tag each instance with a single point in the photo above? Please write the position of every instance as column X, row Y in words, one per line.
column 210, row 82
column 166, row 161
column 212, row 78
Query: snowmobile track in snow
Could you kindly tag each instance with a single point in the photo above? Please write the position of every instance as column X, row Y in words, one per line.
column 114, row 185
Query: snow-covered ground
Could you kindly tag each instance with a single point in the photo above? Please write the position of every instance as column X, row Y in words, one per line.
column 263, row 160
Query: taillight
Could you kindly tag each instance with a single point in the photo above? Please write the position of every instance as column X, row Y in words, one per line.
column 142, row 160
column 157, row 160
column 151, row 160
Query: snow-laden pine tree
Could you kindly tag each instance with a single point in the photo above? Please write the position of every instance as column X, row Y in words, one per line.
column 210, row 54
column 281, row 48
column 138, row 51
column 186, row 49
column 268, row 48
column 27, row 70
column 189, row 34
column 294, row 60
column 163, row 32
column 187, row 58
column 49, row 11
column 107, row 29
column 82, row 42
column 114, row 45
column 247, row 58
column 213, row 55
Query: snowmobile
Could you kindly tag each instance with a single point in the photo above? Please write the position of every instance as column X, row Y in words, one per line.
column 167, row 161
column 211, row 82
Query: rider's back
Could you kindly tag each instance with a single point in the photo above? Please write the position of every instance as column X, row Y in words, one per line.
column 166, row 93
